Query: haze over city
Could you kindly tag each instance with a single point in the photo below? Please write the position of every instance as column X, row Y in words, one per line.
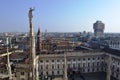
column 59, row 15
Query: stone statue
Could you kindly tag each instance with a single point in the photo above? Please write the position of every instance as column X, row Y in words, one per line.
column 30, row 14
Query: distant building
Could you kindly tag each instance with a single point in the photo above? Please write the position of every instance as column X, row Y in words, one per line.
column 98, row 27
column 114, row 43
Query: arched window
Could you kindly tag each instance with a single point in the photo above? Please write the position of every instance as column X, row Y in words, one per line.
column 52, row 72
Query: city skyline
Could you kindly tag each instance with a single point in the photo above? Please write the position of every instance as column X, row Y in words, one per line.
column 59, row 15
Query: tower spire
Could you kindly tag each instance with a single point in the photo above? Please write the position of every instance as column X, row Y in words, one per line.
column 65, row 66
column 38, row 31
column 32, row 74
column 8, row 60
column 39, row 41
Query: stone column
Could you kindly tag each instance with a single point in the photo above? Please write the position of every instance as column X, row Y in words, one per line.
column 65, row 67
column 32, row 56
column 37, row 73
column 108, row 67
column 8, row 61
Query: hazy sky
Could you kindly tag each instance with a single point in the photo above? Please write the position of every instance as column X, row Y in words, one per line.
column 59, row 15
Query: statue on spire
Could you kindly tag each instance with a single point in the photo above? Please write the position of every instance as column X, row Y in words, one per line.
column 30, row 15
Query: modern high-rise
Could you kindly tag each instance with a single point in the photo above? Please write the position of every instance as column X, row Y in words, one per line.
column 98, row 27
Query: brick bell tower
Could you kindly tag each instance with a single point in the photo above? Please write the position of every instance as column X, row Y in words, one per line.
column 39, row 41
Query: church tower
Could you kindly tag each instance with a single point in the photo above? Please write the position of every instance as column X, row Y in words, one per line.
column 39, row 41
